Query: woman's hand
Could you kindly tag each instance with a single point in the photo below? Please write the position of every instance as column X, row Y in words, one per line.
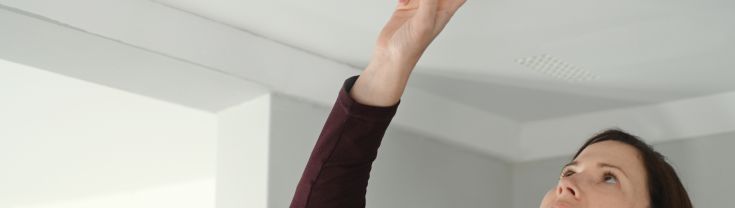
column 413, row 26
column 405, row 37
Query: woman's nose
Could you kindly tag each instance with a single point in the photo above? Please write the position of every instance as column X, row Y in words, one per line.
column 567, row 188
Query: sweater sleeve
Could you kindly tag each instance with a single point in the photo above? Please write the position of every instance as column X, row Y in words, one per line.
column 338, row 169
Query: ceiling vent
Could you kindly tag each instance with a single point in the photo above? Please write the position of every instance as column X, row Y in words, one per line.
column 556, row 68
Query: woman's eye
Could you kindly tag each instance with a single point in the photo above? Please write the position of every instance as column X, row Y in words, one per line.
column 567, row 173
column 609, row 178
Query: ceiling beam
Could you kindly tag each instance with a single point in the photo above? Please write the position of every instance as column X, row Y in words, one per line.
column 44, row 44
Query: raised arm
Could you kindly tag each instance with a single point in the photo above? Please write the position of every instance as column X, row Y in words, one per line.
column 336, row 175
column 413, row 26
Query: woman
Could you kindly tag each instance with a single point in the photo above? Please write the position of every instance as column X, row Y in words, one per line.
column 612, row 169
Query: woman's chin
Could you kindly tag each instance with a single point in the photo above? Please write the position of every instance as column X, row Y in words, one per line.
column 561, row 204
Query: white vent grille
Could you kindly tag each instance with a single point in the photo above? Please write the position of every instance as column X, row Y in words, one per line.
column 556, row 68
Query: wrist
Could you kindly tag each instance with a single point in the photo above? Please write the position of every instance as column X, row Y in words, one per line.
column 395, row 64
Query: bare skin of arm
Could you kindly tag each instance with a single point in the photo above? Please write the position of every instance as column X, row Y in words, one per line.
column 413, row 26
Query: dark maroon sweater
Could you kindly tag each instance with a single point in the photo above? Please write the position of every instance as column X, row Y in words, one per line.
column 339, row 167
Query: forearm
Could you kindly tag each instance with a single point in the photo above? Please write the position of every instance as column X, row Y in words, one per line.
column 336, row 175
column 382, row 83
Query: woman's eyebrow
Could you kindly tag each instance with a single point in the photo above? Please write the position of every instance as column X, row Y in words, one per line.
column 607, row 165
column 602, row 165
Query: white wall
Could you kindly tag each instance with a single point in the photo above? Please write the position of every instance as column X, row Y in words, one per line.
column 191, row 194
column 531, row 180
column 295, row 127
column 70, row 143
column 704, row 165
column 412, row 170
column 242, row 155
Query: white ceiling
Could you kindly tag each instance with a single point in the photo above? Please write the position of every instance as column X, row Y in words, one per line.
column 642, row 51
column 521, row 104
column 652, row 59
column 648, row 51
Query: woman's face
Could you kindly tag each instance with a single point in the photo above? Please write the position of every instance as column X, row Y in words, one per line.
column 605, row 174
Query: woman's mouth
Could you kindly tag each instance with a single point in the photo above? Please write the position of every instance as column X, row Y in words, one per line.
column 561, row 204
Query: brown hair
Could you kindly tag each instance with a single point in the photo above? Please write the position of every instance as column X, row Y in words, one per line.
column 664, row 186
